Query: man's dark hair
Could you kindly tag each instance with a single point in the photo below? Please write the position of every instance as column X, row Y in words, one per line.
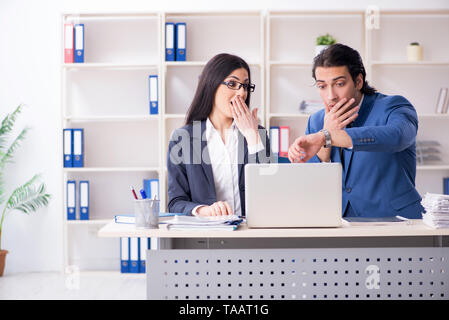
column 338, row 55
column 214, row 73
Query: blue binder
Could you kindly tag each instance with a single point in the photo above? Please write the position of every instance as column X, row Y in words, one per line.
column 84, row 199
column 170, row 41
column 446, row 186
column 71, row 199
column 68, row 148
column 79, row 43
column 134, row 255
column 78, row 148
column 283, row 160
column 124, row 255
column 144, row 245
column 153, row 90
column 151, row 187
column 181, row 37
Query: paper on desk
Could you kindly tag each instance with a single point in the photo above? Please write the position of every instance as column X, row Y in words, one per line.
column 375, row 221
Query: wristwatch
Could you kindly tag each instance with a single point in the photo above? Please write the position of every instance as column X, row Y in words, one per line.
column 327, row 136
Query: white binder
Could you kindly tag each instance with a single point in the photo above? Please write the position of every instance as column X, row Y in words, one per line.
column 71, row 200
column 124, row 255
column 68, row 146
column 84, row 200
column 134, row 255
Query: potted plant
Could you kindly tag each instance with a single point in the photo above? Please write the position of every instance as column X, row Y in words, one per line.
column 322, row 42
column 26, row 198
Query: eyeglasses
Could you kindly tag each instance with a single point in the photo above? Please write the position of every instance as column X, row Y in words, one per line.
column 235, row 85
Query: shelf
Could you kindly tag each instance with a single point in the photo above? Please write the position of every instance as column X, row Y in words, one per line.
column 199, row 64
column 289, row 115
column 305, row 115
column 291, row 63
column 444, row 116
column 93, row 222
column 407, row 63
column 212, row 14
column 174, row 116
column 94, row 65
column 109, row 16
column 112, row 169
column 432, row 167
column 113, row 118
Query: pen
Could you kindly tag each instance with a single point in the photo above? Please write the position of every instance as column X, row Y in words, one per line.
column 142, row 192
column 134, row 193
column 154, row 198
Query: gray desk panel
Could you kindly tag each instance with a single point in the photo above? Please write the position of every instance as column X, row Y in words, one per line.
column 333, row 273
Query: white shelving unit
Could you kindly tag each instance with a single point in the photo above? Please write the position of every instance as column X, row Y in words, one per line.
column 290, row 51
column 108, row 94
column 419, row 82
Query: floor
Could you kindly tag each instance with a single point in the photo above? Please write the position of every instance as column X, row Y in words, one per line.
column 77, row 285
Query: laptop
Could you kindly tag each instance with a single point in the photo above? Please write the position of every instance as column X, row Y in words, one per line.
column 293, row 195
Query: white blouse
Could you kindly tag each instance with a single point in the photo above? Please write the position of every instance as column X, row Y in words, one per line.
column 224, row 162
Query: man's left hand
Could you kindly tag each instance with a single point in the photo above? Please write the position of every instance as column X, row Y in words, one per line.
column 305, row 147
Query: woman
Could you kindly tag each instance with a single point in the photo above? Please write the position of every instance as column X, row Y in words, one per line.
column 206, row 157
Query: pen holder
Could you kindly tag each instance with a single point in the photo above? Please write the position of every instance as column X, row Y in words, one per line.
column 147, row 213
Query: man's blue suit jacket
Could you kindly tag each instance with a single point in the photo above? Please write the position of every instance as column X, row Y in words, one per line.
column 190, row 176
column 379, row 172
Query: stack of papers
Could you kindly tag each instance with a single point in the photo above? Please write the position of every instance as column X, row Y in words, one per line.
column 310, row 106
column 437, row 210
column 131, row 218
column 230, row 223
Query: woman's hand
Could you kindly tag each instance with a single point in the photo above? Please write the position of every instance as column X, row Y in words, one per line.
column 219, row 208
column 245, row 120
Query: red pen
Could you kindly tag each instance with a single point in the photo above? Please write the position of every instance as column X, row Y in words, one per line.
column 134, row 193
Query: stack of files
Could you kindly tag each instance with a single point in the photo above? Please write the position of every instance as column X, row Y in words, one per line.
column 131, row 218
column 310, row 106
column 437, row 210
column 427, row 151
column 213, row 223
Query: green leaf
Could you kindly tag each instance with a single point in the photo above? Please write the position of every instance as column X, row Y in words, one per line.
column 7, row 125
column 28, row 197
column 7, row 157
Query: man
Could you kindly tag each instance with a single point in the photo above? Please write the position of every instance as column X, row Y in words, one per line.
column 371, row 134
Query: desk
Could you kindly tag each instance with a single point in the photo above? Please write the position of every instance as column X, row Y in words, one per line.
column 330, row 272
column 393, row 229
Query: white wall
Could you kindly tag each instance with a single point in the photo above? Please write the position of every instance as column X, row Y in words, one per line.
column 30, row 54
